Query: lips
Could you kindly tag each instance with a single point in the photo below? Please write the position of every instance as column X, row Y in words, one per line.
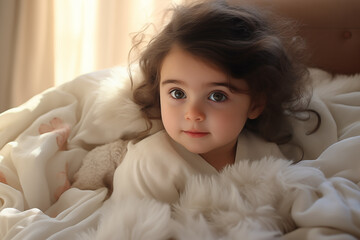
column 196, row 134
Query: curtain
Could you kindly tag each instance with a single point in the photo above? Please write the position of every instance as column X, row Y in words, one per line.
column 47, row 42
column 26, row 45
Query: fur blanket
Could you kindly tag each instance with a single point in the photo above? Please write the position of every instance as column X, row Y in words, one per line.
column 264, row 199
column 44, row 142
column 249, row 200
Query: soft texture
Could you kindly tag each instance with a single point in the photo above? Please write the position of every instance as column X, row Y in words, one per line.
column 99, row 165
column 249, row 200
column 158, row 167
column 43, row 143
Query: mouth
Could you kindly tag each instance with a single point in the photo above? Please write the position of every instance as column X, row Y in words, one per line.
column 196, row 134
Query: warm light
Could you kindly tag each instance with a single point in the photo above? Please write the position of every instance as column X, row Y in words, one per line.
column 96, row 34
column 74, row 38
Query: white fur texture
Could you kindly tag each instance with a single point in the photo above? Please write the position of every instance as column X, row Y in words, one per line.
column 327, row 85
column 98, row 166
column 132, row 219
column 249, row 200
column 115, row 105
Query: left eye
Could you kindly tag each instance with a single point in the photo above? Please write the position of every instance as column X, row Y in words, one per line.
column 217, row 97
column 177, row 94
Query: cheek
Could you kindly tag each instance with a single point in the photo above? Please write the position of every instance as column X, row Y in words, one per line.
column 169, row 116
column 229, row 122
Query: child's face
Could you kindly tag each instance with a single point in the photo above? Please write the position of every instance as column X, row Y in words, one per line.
column 198, row 109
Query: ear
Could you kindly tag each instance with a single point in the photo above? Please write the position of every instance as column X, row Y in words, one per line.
column 257, row 107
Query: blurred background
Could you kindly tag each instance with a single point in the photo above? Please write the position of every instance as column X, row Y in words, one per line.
column 44, row 43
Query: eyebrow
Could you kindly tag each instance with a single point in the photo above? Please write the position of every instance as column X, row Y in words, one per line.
column 228, row 85
column 169, row 81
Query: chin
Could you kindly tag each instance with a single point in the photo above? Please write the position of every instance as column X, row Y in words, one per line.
column 193, row 147
column 196, row 150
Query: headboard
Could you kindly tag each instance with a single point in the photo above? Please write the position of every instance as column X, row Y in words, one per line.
column 330, row 28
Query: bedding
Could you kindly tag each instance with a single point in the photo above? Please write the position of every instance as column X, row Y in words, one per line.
column 44, row 141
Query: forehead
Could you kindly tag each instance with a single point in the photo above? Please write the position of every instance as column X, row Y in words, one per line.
column 181, row 65
column 179, row 59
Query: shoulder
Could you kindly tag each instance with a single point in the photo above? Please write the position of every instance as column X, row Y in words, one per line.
column 159, row 141
column 154, row 151
column 250, row 146
column 152, row 168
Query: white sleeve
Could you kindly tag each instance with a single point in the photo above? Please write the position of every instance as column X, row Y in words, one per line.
column 151, row 169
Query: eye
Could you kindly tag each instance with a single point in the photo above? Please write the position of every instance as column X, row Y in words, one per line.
column 217, row 97
column 177, row 94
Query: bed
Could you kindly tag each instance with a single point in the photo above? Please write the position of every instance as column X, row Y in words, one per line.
column 44, row 141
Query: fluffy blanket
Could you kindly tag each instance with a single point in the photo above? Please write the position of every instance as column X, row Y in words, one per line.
column 44, row 141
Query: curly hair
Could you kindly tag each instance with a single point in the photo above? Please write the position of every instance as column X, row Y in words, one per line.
column 243, row 42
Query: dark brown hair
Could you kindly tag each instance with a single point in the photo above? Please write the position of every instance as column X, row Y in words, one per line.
column 243, row 42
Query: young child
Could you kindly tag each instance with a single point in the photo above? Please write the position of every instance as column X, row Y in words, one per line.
column 221, row 79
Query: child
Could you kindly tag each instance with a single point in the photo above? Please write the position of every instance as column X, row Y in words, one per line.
column 221, row 80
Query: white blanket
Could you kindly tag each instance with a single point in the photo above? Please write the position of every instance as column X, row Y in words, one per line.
column 43, row 142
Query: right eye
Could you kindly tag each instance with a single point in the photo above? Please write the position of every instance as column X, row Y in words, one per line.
column 177, row 94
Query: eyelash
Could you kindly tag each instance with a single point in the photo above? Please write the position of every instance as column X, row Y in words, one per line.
column 223, row 95
column 172, row 93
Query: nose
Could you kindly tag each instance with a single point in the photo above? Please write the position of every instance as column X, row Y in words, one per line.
column 194, row 113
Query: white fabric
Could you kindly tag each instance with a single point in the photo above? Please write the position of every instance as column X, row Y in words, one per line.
column 157, row 167
column 43, row 142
